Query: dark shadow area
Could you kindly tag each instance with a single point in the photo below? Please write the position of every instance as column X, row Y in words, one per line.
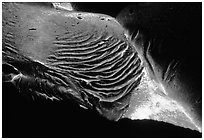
column 25, row 118
column 108, row 8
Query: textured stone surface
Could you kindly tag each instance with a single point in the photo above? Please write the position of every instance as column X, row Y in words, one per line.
column 71, row 55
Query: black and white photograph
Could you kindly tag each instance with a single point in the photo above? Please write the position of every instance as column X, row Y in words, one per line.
column 113, row 69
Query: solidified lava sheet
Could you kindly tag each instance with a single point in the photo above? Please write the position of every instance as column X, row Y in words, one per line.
column 79, row 70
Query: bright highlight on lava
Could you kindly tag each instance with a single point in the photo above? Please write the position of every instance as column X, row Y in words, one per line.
column 63, row 5
column 151, row 102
